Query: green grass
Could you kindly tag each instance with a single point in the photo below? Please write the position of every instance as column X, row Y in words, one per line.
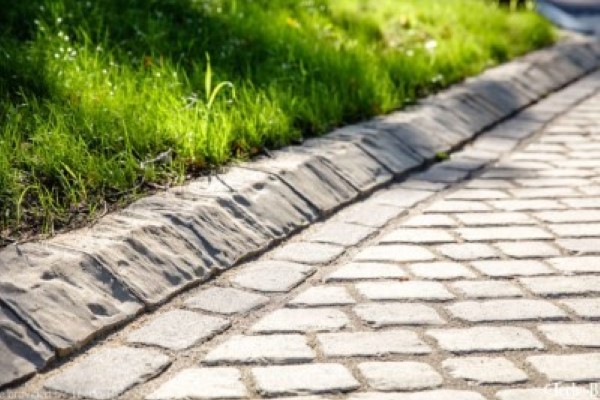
column 91, row 91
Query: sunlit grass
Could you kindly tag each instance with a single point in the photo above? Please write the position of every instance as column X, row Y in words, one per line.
column 103, row 100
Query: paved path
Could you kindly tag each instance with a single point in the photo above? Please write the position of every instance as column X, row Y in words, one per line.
column 476, row 280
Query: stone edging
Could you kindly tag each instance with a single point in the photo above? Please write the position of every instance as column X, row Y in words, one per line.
column 57, row 295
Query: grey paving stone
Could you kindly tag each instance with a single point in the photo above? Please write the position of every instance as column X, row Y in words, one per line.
column 286, row 349
column 494, row 218
column 430, row 220
column 178, row 330
column 506, row 310
column 478, row 183
column 226, row 300
column 341, row 233
column 412, row 290
column 486, row 289
column 588, row 202
column 586, row 308
column 468, row 251
column 67, row 297
column 563, row 285
column 549, row 393
column 272, row 276
column 389, row 314
column 22, row 352
column 109, row 373
column 423, row 185
column 402, row 197
column 452, row 206
column 360, row 271
column 442, row 394
column 510, row 268
column 441, row 270
column 202, row 383
column 503, row 233
column 580, row 246
column 322, row 296
column 485, row 339
column 568, row 367
column 308, row 253
column 583, row 335
column 527, row 205
column 527, row 249
column 395, row 253
column 366, row 344
column 439, row 173
column 391, row 376
column 484, row 370
column 418, row 236
column 301, row 320
column 368, row 213
column 543, row 193
column 303, row 379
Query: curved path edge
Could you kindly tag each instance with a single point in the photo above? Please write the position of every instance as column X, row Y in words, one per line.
column 59, row 294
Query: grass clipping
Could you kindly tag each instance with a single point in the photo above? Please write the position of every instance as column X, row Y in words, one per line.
column 102, row 101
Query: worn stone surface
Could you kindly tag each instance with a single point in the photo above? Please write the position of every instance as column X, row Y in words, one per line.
column 381, row 315
column 563, row 285
column 413, row 290
column 341, row 233
column 487, row 289
column 395, row 253
column 586, row 308
column 390, row 376
column 67, row 297
column 418, row 235
column 108, row 373
column 178, row 330
column 322, row 296
column 485, row 338
column 576, row 264
column 308, row 253
column 442, row 394
column 302, row 320
column 441, row 270
column 573, row 393
column 22, row 352
column 510, row 268
column 359, row 271
column 226, row 300
column 303, row 379
column 505, row 310
column 568, row 367
column 585, row 335
column 202, row 383
column 261, row 349
column 468, row 251
column 486, row 370
column 364, row 344
column 272, row 276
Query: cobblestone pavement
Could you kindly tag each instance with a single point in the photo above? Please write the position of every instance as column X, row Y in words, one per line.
column 479, row 280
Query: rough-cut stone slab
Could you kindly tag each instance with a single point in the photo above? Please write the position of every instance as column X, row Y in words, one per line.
column 310, row 176
column 581, row 246
column 510, row 268
column 441, row 270
column 360, row 271
column 395, row 253
column 390, row 376
column 349, row 161
column 586, row 308
column 380, row 144
column 576, row 264
column 303, row 379
column 442, row 394
column 341, row 233
column 109, row 373
column 563, row 285
column 178, row 330
column 22, row 352
column 369, row 213
column 380, row 315
column 412, row 290
column 322, row 296
column 202, row 383
column 418, row 236
column 468, row 251
column 503, row 233
column 226, row 300
column 399, row 196
column 308, row 253
column 487, row 370
column 527, row 249
column 506, row 310
column 66, row 297
column 485, row 338
column 365, row 344
column 285, row 349
column 568, row 368
column 302, row 320
column 272, row 276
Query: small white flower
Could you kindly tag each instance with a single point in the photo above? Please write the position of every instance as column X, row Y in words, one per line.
column 430, row 45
